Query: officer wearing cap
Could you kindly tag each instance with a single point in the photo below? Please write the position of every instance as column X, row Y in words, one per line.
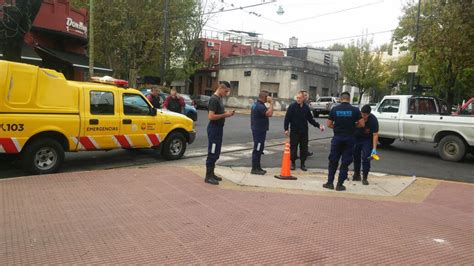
column 215, row 130
column 366, row 139
column 259, row 123
column 343, row 119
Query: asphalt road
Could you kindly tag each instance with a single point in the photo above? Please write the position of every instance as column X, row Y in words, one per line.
column 418, row 159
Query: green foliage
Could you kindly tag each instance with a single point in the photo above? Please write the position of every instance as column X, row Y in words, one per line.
column 445, row 45
column 129, row 35
column 362, row 67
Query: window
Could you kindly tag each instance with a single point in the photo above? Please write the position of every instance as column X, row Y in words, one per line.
column 272, row 88
column 209, row 82
column 325, row 92
column 234, row 88
column 135, row 105
column 102, row 103
column 389, row 106
column 422, row 106
column 313, row 92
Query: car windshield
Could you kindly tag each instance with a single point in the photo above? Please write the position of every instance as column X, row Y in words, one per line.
column 325, row 99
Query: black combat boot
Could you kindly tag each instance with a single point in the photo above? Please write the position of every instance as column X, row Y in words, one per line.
column 340, row 187
column 328, row 186
column 293, row 165
column 257, row 171
column 303, row 166
column 210, row 177
column 364, row 179
column 356, row 176
column 216, row 177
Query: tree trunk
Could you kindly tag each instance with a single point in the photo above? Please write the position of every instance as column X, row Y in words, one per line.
column 132, row 78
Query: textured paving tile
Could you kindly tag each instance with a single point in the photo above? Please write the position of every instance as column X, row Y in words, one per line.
column 168, row 215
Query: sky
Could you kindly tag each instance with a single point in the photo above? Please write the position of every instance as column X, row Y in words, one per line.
column 317, row 23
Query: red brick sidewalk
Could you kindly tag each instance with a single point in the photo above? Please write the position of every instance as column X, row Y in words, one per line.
column 168, row 215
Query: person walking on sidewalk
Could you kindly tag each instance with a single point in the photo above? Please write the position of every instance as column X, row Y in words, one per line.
column 296, row 119
column 366, row 139
column 259, row 122
column 215, row 130
column 343, row 118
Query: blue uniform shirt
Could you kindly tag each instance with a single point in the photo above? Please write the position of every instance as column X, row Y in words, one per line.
column 371, row 126
column 344, row 117
column 258, row 117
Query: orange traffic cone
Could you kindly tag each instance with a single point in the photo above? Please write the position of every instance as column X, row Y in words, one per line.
column 285, row 173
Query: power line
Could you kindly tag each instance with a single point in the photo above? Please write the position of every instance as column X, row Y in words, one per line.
column 333, row 12
column 238, row 8
column 349, row 37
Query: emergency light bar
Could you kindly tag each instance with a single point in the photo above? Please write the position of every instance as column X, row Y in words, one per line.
column 110, row 80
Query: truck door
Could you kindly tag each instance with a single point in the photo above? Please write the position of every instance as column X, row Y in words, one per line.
column 389, row 117
column 140, row 127
column 100, row 120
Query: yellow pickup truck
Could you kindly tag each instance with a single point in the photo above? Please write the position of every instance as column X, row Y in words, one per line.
column 43, row 115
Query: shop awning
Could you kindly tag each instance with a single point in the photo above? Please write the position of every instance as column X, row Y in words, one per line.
column 76, row 60
column 28, row 55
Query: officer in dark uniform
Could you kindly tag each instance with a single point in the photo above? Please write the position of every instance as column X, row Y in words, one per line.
column 296, row 118
column 259, row 123
column 215, row 130
column 343, row 118
column 366, row 139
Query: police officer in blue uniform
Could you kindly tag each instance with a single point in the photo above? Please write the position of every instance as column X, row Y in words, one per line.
column 215, row 130
column 343, row 118
column 259, row 123
column 366, row 139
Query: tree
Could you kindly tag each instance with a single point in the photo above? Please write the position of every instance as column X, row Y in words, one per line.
column 16, row 19
column 129, row 35
column 361, row 67
column 445, row 45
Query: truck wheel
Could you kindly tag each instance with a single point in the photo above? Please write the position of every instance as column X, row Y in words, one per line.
column 384, row 142
column 315, row 113
column 174, row 146
column 452, row 148
column 42, row 156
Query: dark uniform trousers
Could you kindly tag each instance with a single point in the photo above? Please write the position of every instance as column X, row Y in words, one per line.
column 301, row 139
column 341, row 146
column 362, row 146
column 259, row 137
column 214, row 137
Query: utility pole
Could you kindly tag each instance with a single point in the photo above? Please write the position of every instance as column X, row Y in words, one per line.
column 91, row 38
column 165, row 43
column 412, row 74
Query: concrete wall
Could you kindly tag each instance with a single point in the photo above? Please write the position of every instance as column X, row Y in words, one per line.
column 276, row 70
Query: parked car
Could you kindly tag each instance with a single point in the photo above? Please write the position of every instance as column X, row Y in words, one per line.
column 188, row 100
column 323, row 105
column 422, row 119
column 189, row 110
column 202, row 101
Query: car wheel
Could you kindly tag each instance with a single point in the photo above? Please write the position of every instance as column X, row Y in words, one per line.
column 315, row 113
column 452, row 148
column 384, row 142
column 42, row 156
column 174, row 146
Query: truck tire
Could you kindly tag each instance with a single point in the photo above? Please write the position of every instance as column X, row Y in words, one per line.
column 384, row 142
column 452, row 148
column 174, row 146
column 42, row 156
column 315, row 113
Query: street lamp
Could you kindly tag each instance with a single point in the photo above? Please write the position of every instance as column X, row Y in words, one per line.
column 280, row 11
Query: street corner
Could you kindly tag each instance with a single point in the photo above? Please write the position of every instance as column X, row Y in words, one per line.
column 382, row 186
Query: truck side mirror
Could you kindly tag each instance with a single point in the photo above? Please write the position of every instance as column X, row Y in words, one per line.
column 153, row 111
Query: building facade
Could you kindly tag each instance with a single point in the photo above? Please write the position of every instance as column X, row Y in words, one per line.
column 283, row 77
column 58, row 40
